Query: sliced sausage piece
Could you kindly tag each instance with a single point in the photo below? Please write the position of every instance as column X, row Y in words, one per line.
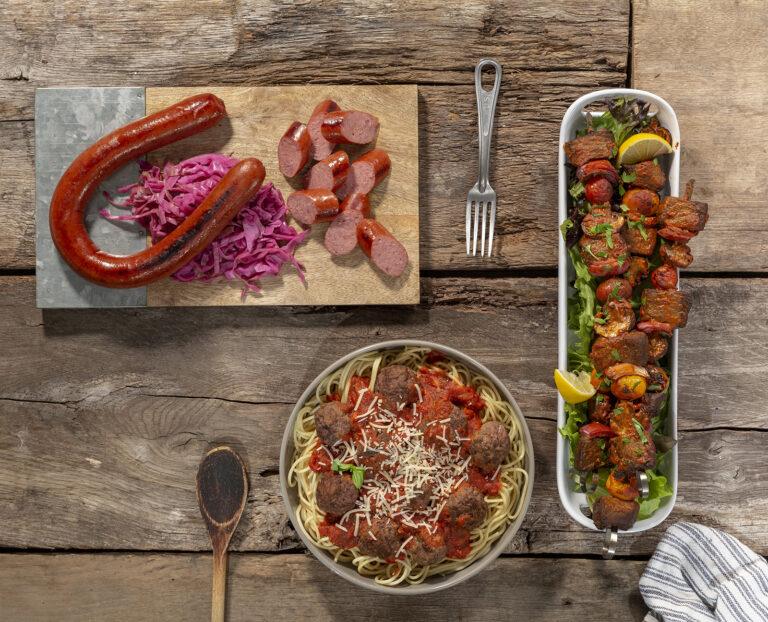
column 358, row 203
column 341, row 236
column 320, row 148
column 612, row 512
column 293, row 149
column 367, row 172
column 311, row 206
column 349, row 126
column 330, row 173
column 386, row 253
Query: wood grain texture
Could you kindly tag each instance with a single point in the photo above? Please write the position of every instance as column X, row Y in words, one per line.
column 138, row 587
column 551, row 52
column 105, row 458
column 717, row 87
column 257, row 117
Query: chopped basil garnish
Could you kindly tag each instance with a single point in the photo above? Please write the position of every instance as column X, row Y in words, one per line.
column 609, row 239
column 601, row 443
column 638, row 452
column 599, row 320
column 358, row 472
column 588, row 248
column 618, row 411
column 625, row 440
column 640, row 431
column 628, row 178
column 616, row 355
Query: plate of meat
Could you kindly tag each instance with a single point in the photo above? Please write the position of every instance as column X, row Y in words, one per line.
column 624, row 238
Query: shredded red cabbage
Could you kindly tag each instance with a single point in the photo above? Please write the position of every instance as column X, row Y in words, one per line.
column 256, row 243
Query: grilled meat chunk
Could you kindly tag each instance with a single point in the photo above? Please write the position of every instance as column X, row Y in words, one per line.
column 622, row 415
column 688, row 215
column 601, row 259
column 647, row 175
column 651, row 403
column 631, row 347
column 677, row 255
column 667, row 306
column 597, row 145
column 594, row 223
column 612, row 512
column 590, row 453
column 637, row 243
column 632, row 452
column 600, row 408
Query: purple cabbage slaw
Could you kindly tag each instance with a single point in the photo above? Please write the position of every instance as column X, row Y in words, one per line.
column 256, row 243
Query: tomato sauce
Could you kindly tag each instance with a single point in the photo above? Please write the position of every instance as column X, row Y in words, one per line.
column 339, row 537
column 487, row 484
column 319, row 461
column 456, row 541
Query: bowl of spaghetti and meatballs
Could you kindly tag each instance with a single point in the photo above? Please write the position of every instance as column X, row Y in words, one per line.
column 406, row 467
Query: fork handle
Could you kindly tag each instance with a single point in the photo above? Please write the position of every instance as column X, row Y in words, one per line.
column 486, row 107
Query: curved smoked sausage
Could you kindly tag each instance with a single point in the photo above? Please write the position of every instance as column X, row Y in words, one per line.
column 105, row 156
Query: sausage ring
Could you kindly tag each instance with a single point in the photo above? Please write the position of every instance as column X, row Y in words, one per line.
column 105, row 156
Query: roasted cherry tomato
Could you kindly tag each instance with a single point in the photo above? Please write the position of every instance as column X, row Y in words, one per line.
column 641, row 201
column 608, row 287
column 598, row 191
column 664, row 277
column 628, row 387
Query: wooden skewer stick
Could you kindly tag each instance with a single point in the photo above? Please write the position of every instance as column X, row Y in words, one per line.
column 222, row 488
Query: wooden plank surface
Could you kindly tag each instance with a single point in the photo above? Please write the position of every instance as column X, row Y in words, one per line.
column 551, row 52
column 257, row 117
column 104, row 456
column 136, row 587
column 717, row 87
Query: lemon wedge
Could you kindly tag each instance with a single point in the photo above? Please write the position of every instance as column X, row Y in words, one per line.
column 574, row 388
column 642, row 147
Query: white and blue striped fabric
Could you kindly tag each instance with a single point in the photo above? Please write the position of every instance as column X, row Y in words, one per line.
column 699, row 574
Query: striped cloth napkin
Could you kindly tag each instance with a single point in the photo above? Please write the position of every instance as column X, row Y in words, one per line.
column 699, row 574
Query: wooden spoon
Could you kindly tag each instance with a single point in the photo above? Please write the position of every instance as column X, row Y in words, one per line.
column 222, row 488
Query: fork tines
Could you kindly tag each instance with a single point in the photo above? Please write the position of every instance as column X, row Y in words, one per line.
column 473, row 225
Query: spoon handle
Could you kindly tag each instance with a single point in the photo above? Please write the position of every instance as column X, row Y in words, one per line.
column 219, row 585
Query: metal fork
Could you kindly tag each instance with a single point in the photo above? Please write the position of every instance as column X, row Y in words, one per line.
column 482, row 196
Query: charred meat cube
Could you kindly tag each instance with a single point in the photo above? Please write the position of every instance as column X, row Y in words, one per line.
column 651, row 403
column 622, row 415
column 600, row 408
column 688, row 215
column 605, row 256
column 667, row 306
column 647, row 175
column 613, row 512
column 600, row 220
column 597, row 145
column 658, row 345
column 632, row 452
column 677, row 255
column 590, row 454
column 631, row 347
column 637, row 243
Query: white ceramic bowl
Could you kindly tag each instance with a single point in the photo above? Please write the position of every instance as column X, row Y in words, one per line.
column 432, row 584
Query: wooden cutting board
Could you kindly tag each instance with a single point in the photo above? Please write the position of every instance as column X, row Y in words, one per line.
column 257, row 117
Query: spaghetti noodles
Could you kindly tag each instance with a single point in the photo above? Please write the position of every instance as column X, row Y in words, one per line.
column 504, row 489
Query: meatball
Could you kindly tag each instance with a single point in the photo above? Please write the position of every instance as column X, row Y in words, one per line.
column 422, row 497
column 458, row 418
column 331, row 422
column 466, row 508
column 336, row 493
column 397, row 383
column 427, row 548
column 380, row 538
column 490, row 446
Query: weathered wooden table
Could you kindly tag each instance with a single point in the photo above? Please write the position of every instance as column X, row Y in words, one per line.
column 104, row 415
